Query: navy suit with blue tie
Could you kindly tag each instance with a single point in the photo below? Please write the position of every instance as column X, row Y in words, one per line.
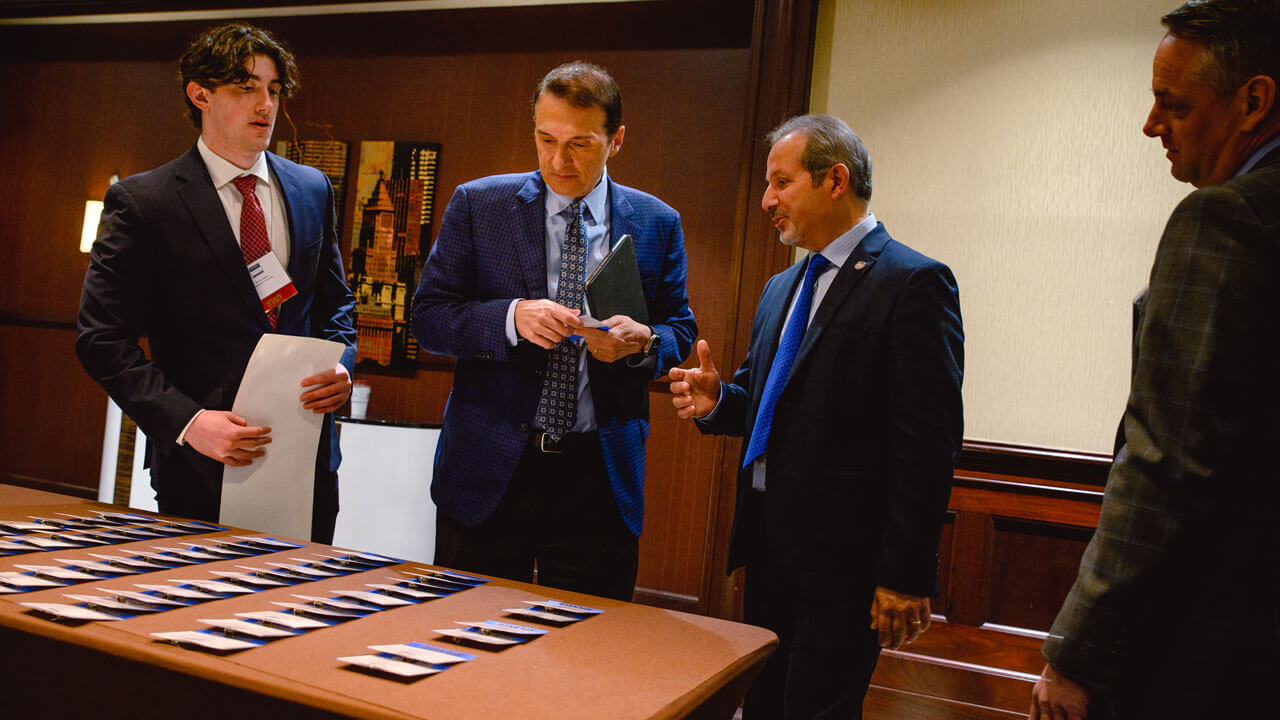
column 859, row 461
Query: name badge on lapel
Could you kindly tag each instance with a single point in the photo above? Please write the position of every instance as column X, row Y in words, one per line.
column 271, row 281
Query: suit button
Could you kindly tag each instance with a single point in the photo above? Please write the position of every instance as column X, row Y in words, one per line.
column 484, row 355
column 524, row 427
column 539, row 373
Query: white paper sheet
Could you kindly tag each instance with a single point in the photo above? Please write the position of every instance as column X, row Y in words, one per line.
column 273, row 494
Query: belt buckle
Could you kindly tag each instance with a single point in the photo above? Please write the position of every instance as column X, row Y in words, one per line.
column 547, row 445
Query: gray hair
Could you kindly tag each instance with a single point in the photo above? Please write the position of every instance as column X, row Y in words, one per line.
column 829, row 142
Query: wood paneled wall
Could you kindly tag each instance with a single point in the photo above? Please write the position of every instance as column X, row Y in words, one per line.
column 703, row 80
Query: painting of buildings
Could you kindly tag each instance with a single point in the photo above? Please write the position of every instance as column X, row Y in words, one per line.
column 391, row 235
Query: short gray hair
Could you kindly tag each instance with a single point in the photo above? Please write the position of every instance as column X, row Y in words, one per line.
column 829, row 142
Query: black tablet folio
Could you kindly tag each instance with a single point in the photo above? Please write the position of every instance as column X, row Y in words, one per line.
column 614, row 287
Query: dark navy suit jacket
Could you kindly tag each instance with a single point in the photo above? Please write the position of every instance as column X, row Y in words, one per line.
column 860, row 456
column 166, row 265
column 490, row 250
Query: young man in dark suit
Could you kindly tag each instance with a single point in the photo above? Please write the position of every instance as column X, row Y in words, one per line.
column 172, row 262
column 541, row 458
column 1173, row 614
column 850, row 399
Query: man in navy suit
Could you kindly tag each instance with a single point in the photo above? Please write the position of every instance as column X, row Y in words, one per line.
column 850, row 399
column 541, row 458
column 168, row 263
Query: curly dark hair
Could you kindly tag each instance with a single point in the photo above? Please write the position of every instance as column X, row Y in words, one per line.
column 216, row 57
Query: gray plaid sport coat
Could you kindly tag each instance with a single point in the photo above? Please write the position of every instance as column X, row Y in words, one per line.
column 1175, row 612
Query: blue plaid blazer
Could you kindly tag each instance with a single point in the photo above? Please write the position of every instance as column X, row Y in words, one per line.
column 1174, row 612
column 490, row 250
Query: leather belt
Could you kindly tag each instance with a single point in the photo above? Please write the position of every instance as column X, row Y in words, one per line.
column 543, row 442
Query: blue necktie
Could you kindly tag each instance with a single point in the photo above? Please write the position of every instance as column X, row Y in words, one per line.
column 782, row 360
column 558, row 406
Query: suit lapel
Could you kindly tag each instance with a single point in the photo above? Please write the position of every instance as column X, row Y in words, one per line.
column 196, row 190
column 774, row 305
column 621, row 217
column 855, row 267
column 529, row 235
column 293, row 193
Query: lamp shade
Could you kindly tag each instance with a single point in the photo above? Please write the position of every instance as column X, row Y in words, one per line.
column 92, row 214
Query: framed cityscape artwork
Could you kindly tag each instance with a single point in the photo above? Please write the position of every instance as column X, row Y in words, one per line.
column 390, row 239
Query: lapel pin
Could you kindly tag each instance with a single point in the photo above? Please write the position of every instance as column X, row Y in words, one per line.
column 860, row 264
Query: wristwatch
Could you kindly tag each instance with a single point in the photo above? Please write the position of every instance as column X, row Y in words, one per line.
column 651, row 344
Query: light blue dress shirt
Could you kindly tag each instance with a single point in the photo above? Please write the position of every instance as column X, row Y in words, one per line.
column 595, row 226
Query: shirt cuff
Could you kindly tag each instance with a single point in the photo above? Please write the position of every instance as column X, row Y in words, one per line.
column 182, row 436
column 512, row 336
column 712, row 415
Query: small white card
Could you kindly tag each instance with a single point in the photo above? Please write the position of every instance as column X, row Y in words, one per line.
column 420, row 654
column 144, row 598
column 48, row 543
column 390, row 666
column 406, row 592
column 99, row 567
column 180, row 555
column 303, row 570
column 129, row 562
column 70, row 612
column 217, row 586
column 24, row 525
column 289, row 620
column 212, row 641
column 478, row 636
column 317, row 611
column 373, row 598
column 109, row 603
column 333, row 603
column 267, row 541
column 249, row 579
column 491, row 626
column 244, row 627
column 58, row 573
column 542, row 615
column 180, row 593
column 26, row 581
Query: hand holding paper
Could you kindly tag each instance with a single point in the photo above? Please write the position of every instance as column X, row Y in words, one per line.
column 545, row 323
column 227, row 437
column 334, row 387
column 621, row 336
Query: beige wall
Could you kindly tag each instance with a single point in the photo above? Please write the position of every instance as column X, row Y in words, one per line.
column 1006, row 141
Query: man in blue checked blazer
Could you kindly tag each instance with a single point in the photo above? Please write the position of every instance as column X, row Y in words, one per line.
column 849, row 397
column 1174, row 611
column 541, row 457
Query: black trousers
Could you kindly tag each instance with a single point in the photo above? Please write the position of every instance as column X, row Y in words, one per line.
column 559, row 515
column 324, row 506
column 826, row 648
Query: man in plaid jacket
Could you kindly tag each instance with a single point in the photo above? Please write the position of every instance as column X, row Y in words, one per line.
column 1174, row 612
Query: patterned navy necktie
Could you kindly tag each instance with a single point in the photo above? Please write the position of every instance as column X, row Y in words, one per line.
column 783, row 359
column 558, row 406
